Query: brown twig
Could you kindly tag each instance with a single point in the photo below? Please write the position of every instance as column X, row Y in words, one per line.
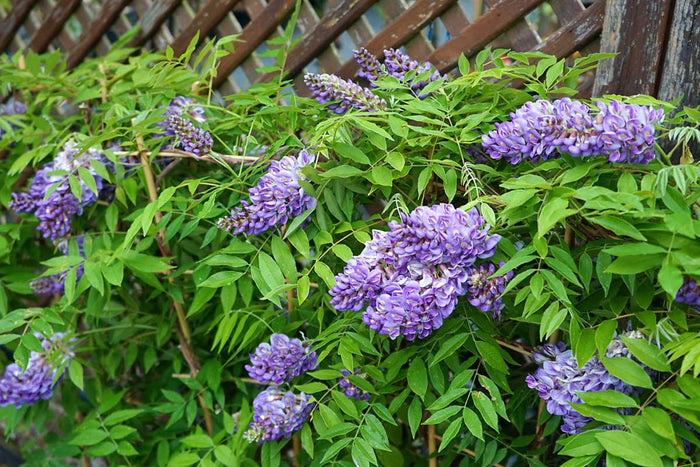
column 228, row 158
column 432, row 446
column 183, row 330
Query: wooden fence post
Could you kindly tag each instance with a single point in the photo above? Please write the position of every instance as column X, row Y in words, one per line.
column 636, row 29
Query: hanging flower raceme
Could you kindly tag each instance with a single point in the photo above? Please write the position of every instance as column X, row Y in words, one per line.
column 180, row 118
column 277, row 414
column 38, row 380
column 485, row 293
column 349, row 389
column 11, row 108
column 558, row 380
column 55, row 283
column 275, row 199
column 411, row 276
column 342, row 95
column 283, row 359
column 539, row 130
column 370, row 67
column 50, row 197
column 689, row 293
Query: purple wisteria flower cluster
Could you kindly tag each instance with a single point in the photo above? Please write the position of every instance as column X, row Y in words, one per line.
column 539, row 130
column 11, row 108
column 283, row 359
column 689, row 293
column 180, row 118
column 38, row 380
column 275, row 199
column 558, row 380
column 55, row 283
column 341, row 95
column 485, row 293
column 277, row 414
column 411, row 276
column 349, row 389
column 50, row 197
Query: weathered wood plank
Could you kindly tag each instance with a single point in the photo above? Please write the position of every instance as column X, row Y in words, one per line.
column 398, row 31
column 329, row 28
column 520, row 37
column 91, row 35
column 637, row 30
column 417, row 46
column 13, row 21
column 209, row 16
column 253, row 35
column 52, row 25
column 151, row 20
column 581, row 31
column 681, row 68
column 566, row 10
column 482, row 31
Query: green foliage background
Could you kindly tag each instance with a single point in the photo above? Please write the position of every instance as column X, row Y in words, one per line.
column 595, row 247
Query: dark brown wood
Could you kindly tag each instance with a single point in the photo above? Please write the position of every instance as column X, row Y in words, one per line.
column 581, row 31
column 326, row 31
column 482, row 31
column 680, row 75
column 13, row 21
column 520, row 37
column 52, row 25
column 90, row 36
column 209, row 16
column 566, row 9
column 637, row 30
column 152, row 19
column 398, row 31
column 253, row 35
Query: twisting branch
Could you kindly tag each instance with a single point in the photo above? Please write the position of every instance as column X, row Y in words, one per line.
column 183, row 332
column 215, row 157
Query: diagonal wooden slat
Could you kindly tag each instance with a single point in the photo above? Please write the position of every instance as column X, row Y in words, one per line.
column 13, row 21
column 579, row 32
column 566, row 10
column 398, row 31
column 331, row 26
column 253, row 35
column 520, row 37
column 52, row 25
column 482, row 31
column 87, row 40
column 152, row 20
column 205, row 20
column 416, row 46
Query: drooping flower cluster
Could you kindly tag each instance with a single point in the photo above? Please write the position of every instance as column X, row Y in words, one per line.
column 55, row 283
column 689, row 293
column 341, row 95
column 50, row 197
column 11, row 108
column 277, row 414
column 281, row 360
column 398, row 65
column 37, row 382
column 558, row 380
column 349, row 389
column 179, row 122
column 485, row 293
column 539, row 130
column 275, row 199
column 411, row 276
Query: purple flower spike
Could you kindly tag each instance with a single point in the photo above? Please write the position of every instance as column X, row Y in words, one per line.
column 27, row 386
column 190, row 138
column 349, row 389
column 485, row 293
column 689, row 293
column 398, row 64
column 181, row 107
column 370, row 68
column 574, row 128
column 276, row 198
column 283, row 359
column 558, row 380
column 625, row 132
column 11, row 108
column 56, row 210
column 411, row 276
column 276, row 414
column 341, row 95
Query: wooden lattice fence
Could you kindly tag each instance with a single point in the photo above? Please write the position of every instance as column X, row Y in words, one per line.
column 434, row 30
